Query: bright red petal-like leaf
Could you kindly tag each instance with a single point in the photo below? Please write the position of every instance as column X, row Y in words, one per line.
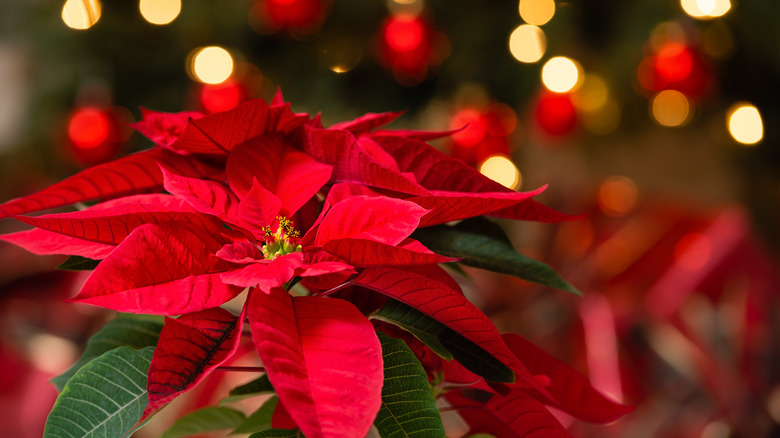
column 258, row 208
column 136, row 173
column 450, row 206
column 219, row 133
column 514, row 415
column 266, row 274
column 240, row 252
column 381, row 219
column 42, row 242
column 450, row 308
column 166, row 269
column 417, row 135
column 189, row 349
column 571, row 390
column 292, row 175
column 351, row 163
column 323, row 358
column 209, row 197
column 367, row 122
column 378, row 153
column 361, row 253
column 163, row 128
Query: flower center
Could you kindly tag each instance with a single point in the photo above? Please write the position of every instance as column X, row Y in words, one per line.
column 282, row 241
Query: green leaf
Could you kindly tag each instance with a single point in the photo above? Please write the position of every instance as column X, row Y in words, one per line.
column 260, row 420
column 78, row 263
column 259, row 386
column 105, row 398
column 420, row 325
column 135, row 331
column 483, row 244
column 454, row 345
column 408, row 408
column 278, row 433
column 205, row 420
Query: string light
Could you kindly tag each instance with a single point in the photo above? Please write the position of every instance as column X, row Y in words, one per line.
column 211, row 65
column 527, row 43
column 745, row 124
column 81, row 14
column 159, row 12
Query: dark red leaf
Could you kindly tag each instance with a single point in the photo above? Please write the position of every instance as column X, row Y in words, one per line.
column 367, row 122
column 163, row 128
column 450, row 206
column 362, row 253
column 323, row 358
column 189, row 349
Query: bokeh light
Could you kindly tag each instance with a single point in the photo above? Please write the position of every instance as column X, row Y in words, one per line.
column 561, row 74
column 536, row 12
column 211, row 65
column 617, row 196
column 745, row 124
column 501, row 170
column 555, row 113
column 159, row 12
column 81, row 14
column 404, row 33
column 705, row 9
column 674, row 62
column 670, row 108
column 592, row 94
column 527, row 43
column 89, row 128
column 471, row 127
column 221, row 97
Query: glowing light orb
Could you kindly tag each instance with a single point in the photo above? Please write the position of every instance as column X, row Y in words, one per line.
column 536, row 12
column 527, row 43
column 561, row 74
column 670, row 108
column 159, row 12
column 212, row 65
column 404, row 33
column 501, row 170
column 617, row 196
column 745, row 124
column 88, row 128
column 81, row 14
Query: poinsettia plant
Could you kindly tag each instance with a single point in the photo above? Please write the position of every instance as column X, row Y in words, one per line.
column 333, row 240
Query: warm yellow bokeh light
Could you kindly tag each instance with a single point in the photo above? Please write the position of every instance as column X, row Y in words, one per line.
column 617, row 196
column 705, row 9
column 745, row 124
column 81, row 14
column 670, row 108
column 160, row 11
column 501, row 170
column 561, row 74
column 536, row 12
column 527, row 43
column 212, row 65
column 593, row 93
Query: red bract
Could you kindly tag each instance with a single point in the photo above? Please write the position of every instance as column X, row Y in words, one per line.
column 243, row 190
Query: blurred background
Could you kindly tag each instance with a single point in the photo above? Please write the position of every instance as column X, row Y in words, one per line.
column 657, row 119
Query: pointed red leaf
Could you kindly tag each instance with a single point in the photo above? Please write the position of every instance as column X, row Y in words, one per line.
column 166, row 269
column 42, row 242
column 135, row 173
column 362, row 253
column 219, row 133
column 378, row 153
column 258, row 208
column 367, row 122
column 240, row 252
column 189, row 349
column 450, row 206
column 291, row 175
column 351, row 163
column 417, row 135
column 571, row 390
column 514, row 415
column 381, row 219
column 163, row 128
column 322, row 357
column 205, row 196
column 450, row 308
